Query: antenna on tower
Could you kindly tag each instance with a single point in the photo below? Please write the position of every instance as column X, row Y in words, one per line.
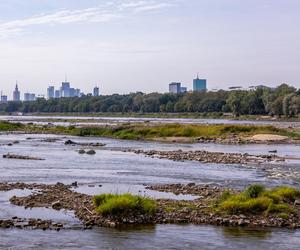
column 65, row 77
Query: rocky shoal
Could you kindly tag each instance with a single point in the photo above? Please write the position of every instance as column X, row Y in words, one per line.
column 209, row 157
column 198, row 211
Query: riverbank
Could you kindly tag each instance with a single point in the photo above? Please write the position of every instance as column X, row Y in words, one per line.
column 202, row 210
column 194, row 115
column 185, row 133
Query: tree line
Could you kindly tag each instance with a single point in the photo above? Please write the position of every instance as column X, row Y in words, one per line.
column 283, row 100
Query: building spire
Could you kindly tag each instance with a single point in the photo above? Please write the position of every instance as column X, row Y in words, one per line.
column 65, row 77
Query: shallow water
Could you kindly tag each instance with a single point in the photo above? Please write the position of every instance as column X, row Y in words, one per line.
column 156, row 237
column 82, row 120
column 112, row 170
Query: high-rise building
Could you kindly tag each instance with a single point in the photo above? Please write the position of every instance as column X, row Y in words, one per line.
column 50, row 92
column 77, row 92
column 16, row 94
column 199, row 84
column 65, row 89
column 57, row 94
column 96, row 91
column 4, row 98
column 183, row 89
column 29, row 97
column 174, row 87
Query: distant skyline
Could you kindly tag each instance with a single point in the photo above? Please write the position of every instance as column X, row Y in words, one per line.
column 143, row 45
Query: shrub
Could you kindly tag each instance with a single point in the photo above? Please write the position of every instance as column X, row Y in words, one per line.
column 256, row 199
column 242, row 204
column 254, row 191
column 99, row 199
column 287, row 193
column 114, row 204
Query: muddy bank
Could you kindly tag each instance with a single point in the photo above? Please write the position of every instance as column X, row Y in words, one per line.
column 209, row 157
column 198, row 211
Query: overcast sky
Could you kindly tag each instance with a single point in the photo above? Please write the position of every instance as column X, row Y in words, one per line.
column 142, row 45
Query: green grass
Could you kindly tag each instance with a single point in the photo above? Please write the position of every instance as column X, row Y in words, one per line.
column 256, row 199
column 114, row 204
column 8, row 126
column 148, row 131
column 138, row 131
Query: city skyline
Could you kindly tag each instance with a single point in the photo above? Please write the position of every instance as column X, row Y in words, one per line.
column 138, row 45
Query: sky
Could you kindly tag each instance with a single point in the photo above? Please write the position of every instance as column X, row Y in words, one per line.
column 143, row 45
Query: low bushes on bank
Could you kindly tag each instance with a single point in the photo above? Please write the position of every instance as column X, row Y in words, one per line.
column 115, row 204
column 256, row 199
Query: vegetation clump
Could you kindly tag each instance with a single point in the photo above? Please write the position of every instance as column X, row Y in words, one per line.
column 256, row 199
column 124, row 204
column 137, row 131
column 146, row 131
column 8, row 126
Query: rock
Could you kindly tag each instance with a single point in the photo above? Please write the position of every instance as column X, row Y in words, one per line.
column 22, row 157
column 56, row 205
column 74, row 184
column 273, row 151
column 191, row 184
column 91, row 152
column 81, row 151
column 297, row 202
column 70, row 142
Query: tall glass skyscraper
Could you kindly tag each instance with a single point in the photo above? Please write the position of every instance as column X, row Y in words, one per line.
column 199, row 84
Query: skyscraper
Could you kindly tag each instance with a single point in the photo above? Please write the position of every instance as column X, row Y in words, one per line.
column 3, row 98
column 50, row 92
column 65, row 89
column 199, row 84
column 16, row 94
column 29, row 97
column 174, row 87
column 57, row 94
column 96, row 91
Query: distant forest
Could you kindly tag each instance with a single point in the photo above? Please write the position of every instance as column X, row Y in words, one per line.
column 283, row 100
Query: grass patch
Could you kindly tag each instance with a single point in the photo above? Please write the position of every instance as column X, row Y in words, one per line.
column 256, row 199
column 138, row 131
column 115, row 204
column 8, row 126
column 150, row 131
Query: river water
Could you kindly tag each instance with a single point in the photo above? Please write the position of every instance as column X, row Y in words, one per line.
column 94, row 120
column 112, row 170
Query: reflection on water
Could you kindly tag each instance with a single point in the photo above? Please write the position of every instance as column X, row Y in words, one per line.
column 156, row 237
column 239, row 232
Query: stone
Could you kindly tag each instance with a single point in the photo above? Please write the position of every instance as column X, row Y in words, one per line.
column 91, row 152
column 56, row 205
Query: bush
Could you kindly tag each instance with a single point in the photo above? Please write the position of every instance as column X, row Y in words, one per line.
column 287, row 193
column 256, row 199
column 114, row 204
column 254, row 191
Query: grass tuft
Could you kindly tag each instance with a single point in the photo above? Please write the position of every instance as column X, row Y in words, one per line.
column 115, row 204
column 256, row 199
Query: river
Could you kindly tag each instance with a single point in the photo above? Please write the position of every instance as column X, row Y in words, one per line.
column 99, row 120
column 112, row 170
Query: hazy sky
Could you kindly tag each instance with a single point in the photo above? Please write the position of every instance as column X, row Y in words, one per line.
column 130, row 45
